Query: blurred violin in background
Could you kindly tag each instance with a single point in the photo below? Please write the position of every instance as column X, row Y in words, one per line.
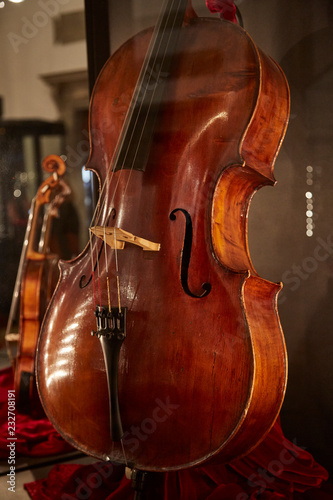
column 36, row 280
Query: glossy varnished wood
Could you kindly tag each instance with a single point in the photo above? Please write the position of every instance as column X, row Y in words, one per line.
column 199, row 378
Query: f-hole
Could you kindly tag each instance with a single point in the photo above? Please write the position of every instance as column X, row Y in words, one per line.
column 186, row 256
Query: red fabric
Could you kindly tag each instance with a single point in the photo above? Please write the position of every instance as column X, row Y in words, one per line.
column 226, row 8
column 280, row 464
column 34, row 437
column 103, row 481
column 276, row 469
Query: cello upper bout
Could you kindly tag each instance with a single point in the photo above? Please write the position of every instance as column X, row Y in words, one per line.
column 258, row 150
column 263, row 138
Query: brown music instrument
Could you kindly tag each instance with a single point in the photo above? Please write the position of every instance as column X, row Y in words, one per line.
column 162, row 348
column 37, row 277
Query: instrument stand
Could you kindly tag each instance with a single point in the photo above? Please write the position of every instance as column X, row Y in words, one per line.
column 139, row 480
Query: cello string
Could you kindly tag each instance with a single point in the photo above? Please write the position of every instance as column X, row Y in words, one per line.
column 146, row 118
column 135, row 99
column 117, row 270
column 117, row 151
column 155, row 84
column 129, row 114
column 107, row 271
column 152, row 97
column 92, row 270
column 98, row 278
column 123, row 449
column 101, row 206
column 133, row 106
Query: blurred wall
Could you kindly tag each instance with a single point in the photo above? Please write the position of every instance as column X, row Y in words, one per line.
column 29, row 50
column 43, row 76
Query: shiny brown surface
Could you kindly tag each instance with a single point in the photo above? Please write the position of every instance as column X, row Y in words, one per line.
column 198, row 377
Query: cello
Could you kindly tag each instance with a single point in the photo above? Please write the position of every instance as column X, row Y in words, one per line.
column 36, row 279
column 162, row 348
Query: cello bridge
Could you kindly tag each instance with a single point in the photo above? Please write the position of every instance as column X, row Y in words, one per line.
column 116, row 238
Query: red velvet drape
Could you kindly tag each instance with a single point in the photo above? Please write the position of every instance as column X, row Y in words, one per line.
column 33, row 437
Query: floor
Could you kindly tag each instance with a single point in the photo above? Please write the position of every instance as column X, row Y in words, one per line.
column 30, row 469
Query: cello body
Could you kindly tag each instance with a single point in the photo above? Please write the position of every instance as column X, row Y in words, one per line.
column 202, row 371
